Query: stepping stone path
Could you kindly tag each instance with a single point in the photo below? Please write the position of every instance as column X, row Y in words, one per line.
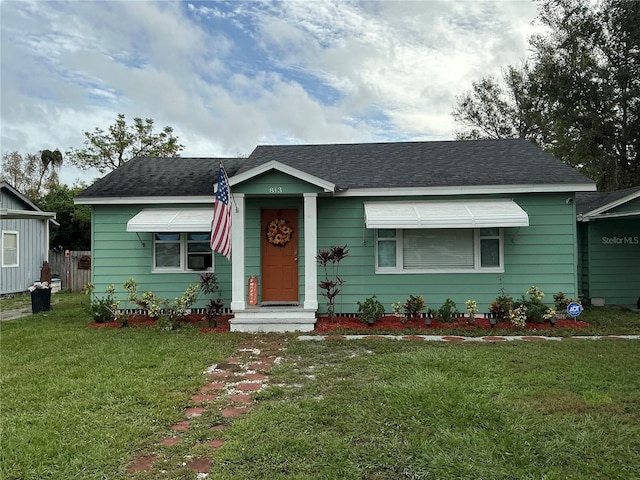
column 228, row 394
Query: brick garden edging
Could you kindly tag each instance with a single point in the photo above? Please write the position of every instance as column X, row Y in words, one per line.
column 460, row 339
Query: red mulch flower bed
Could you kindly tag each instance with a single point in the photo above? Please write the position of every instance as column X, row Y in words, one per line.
column 144, row 321
column 324, row 324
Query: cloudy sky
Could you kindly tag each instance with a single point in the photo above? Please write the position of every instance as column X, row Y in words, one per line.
column 228, row 76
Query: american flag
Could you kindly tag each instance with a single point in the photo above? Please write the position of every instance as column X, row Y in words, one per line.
column 221, row 223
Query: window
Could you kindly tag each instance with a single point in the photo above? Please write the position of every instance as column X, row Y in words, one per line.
column 181, row 252
column 439, row 250
column 9, row 249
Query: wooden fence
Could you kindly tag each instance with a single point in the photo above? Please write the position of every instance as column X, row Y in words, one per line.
column 73, row 268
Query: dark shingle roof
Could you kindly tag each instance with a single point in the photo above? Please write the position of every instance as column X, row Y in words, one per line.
column 423, row 164
column 352, row 166
column 589, row 201
column 176, row 176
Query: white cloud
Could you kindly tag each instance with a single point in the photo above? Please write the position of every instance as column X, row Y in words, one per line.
column 230, row 75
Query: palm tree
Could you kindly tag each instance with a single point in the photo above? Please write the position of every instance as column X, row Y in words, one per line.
column 49, row 159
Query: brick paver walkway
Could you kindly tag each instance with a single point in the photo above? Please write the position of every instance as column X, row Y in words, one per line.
column 228, row 395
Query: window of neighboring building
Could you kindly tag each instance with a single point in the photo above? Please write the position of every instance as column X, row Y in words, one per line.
column 439, row 250
column 9, row 249
column 182, row 252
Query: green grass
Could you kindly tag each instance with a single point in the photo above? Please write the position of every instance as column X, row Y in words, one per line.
column 18, row 300
column 81, row 403
column 389, row 409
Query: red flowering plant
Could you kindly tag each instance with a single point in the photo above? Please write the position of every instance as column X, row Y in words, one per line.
column 331, row 286
column 215, row 307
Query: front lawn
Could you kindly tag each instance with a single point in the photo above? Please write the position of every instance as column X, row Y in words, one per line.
column 79, row 402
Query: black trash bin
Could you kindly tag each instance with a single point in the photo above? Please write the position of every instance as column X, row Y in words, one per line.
column 40, row 300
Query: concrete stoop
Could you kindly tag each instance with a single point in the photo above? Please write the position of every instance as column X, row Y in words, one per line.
column 273, row 320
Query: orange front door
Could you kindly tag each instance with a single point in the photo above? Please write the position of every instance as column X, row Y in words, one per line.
column 279, row 256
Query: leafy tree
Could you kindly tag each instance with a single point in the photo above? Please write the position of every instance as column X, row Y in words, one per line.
column 31, row 174
column 74, row 232
column 578, row 96
column 494, row 110
column 106, row 151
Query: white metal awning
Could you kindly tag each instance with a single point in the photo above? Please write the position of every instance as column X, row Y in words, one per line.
column 171, row 220
column 445, row 214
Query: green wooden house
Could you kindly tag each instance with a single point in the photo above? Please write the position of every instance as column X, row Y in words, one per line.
column 452, row 219
column 609, row 239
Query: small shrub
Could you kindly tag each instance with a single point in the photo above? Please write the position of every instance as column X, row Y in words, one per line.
column 104, row 309
column 157, row 308
column 560, row 301
column 414, row 305
column 397, row 308
column 448, row 311
column 330, row 286
column 531, row 309
column 501, row 307
column 518, row 316
column 214, row 310
column 472, row 309
column 371, row 308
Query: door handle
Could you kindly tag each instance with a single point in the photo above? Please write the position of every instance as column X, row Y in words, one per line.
column 295, row 255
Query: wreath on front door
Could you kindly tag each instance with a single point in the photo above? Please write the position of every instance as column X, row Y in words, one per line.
column 279, row 232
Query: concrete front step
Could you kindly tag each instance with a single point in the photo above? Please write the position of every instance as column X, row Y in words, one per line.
column 273, row 319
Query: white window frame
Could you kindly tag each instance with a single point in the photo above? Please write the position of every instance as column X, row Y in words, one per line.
column 477, row 268
column 17, row 236
column 183, row 268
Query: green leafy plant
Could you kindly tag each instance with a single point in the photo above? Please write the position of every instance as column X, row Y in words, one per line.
column 397, row 308
column 104, row 309
column 371, row 310
column 560, row 301
column 501, row 307
column 414, row 305
column 168, row 313
column 518, row 316
column 331, row 286
column 472, row 310
column 531, row 309
column 448, row 311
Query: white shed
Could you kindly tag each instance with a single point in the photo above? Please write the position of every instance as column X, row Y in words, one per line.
column 24, row 240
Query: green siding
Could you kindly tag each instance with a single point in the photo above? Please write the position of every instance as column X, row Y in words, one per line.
column 543, row 254
column 275, row 183
column 614, row 265
column 583, row 260
column 118, row 255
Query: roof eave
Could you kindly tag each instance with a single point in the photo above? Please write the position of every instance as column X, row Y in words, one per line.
column 468, row 190
column 12, row 214
column 327, row 186
column 152, row 200
column 600, row 211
